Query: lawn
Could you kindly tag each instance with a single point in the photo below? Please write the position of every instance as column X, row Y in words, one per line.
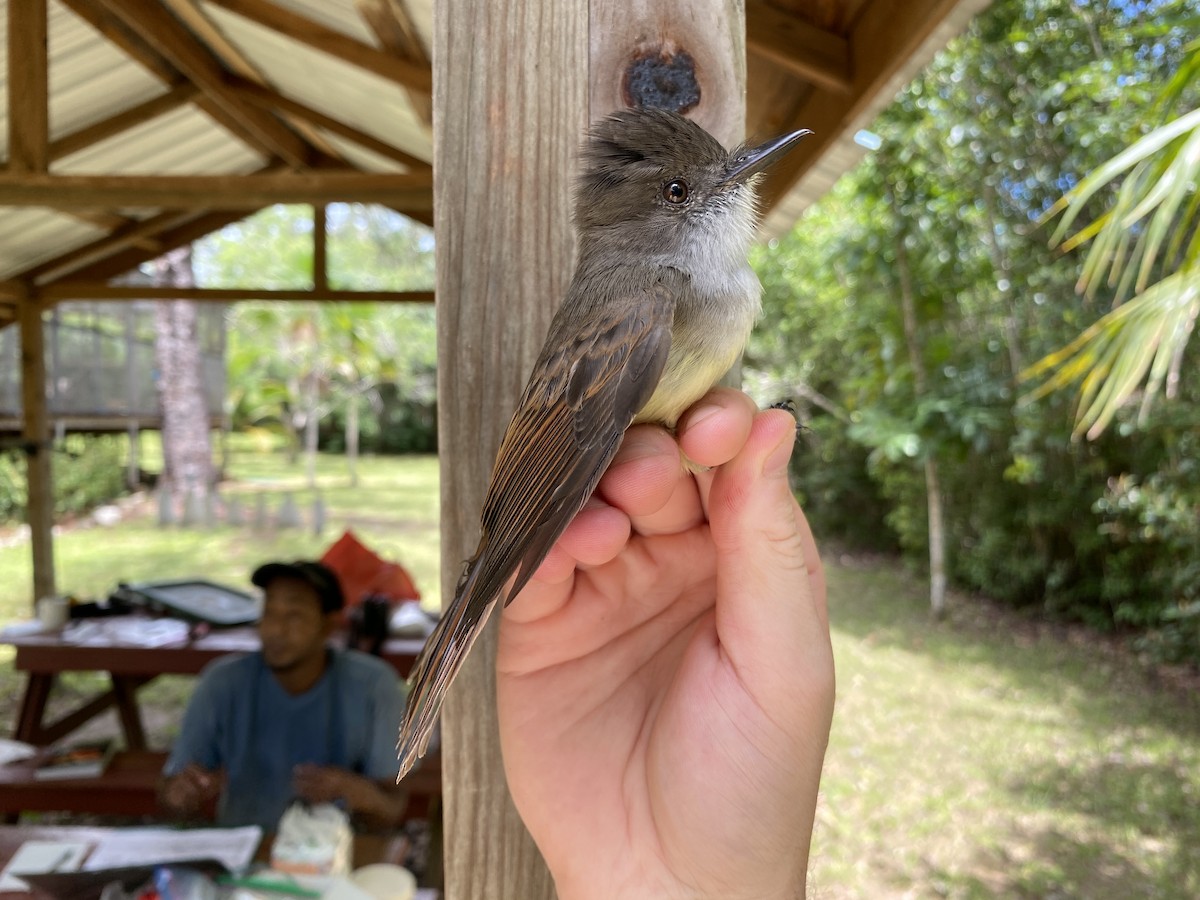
column 979, row 757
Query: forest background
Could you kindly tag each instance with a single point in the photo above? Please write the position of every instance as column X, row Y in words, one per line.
column 902, row 314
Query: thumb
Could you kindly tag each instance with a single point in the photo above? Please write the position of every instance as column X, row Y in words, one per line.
column 771, row 617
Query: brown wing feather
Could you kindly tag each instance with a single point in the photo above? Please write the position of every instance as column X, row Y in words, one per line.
column 583, row 393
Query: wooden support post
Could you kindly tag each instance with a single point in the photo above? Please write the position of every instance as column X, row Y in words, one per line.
column 36, row 435
column 320, row 249
column 28, row 114
column 512, row 93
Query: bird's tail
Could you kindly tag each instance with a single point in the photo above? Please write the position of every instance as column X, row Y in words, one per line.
column 440, row 660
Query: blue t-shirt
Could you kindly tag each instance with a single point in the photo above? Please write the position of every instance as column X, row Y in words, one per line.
column 241, row 720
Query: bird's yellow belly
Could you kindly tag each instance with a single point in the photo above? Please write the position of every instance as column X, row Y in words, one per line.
column 686, row 378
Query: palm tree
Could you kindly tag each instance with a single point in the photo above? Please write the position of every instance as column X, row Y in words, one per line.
column 1147, row 248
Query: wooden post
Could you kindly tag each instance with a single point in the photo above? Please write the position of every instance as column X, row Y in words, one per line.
column 320, row 249
column 28, row 87
column 36, row 436
column 513, row 100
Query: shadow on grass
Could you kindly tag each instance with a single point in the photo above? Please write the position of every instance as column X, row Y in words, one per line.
column 1097, row 793
column 1155, row 801
column 1048, row 864
column 880, row 604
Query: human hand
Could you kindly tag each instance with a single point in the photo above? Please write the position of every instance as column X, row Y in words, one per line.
column 665, row 682
column 321, row 784
column 190, row 788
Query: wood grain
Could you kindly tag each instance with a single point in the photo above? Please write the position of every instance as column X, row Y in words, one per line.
column 28, row 114
column 712, row 32
column 36, row 434
column 510, row 91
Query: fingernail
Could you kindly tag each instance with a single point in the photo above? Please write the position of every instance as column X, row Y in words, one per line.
column 699, row 413
column 777, row 460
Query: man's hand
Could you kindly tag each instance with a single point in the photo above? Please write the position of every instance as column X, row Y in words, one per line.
column 665, row 683
column 189, row 789
column 381, row 804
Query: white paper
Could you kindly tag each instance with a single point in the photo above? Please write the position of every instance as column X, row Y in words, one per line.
column 138, row 846
column 15, row 751
column 127, row 630
column 37, row 857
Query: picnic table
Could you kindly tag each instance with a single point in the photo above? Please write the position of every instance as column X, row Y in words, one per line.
column 367, row 848
column 129, row 666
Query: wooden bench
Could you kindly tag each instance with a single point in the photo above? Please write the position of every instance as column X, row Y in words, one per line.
column 127, row 788
column 129, row 784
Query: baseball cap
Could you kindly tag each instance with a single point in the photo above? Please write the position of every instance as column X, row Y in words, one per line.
column 319, row 575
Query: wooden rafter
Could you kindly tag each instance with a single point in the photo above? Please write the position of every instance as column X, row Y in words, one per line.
column 319, row 37
column 269, row 99
column 117, row 124
column 157, row 27
column 396, row 32
column 28, row 107
column 132, row 234
column 816, row 55
column 122, row 261
column 206, row 31
column 410, row 190
column 150, row 59
column 880, row 43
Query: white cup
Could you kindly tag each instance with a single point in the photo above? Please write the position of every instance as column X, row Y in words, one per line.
column 52, row 612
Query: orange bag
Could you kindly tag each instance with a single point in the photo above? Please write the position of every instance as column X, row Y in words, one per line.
column 364, row 573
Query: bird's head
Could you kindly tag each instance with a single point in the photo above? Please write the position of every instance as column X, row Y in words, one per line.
column 661, row 179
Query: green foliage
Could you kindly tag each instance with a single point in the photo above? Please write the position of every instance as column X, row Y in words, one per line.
column 87, row 471
column 970, row 157
column 290, row 361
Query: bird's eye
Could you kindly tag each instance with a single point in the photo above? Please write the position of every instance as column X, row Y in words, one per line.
column 675, row 191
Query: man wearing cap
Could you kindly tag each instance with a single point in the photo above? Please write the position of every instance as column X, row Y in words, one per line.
column 297, row 720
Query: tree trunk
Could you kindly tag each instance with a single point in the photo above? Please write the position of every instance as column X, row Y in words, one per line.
column 933, row 484
column 187, row 448
column 352, row 438
column 311, row 419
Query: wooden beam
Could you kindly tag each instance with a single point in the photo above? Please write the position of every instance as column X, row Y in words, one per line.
column 131, row 44
column 315, row 35
column 103, row 220
column 409, row 190
column 881, row 42
column 166, row 34
column 320, row 249
column 269, row 99
column 206, row 31
column 133, row 233
column 28, row 111
column 396, row 31
column 99, row 290
column 35, row 431
column 503, row 262
column 123, row 121
column 818, row 56
column 150, row 59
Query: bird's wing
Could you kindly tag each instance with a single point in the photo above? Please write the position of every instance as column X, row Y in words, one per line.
column 584, row 391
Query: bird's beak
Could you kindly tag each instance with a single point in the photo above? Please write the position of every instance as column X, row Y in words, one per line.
column 755, row 159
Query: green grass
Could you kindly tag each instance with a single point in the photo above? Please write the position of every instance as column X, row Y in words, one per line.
column 394, row 509
column 978, row 757
column 987, row 758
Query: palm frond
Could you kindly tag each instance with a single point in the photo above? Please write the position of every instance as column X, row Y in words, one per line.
column 1141, row 338
column 1146, row 249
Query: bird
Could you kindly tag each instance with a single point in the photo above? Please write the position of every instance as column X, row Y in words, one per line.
column 660, row 307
